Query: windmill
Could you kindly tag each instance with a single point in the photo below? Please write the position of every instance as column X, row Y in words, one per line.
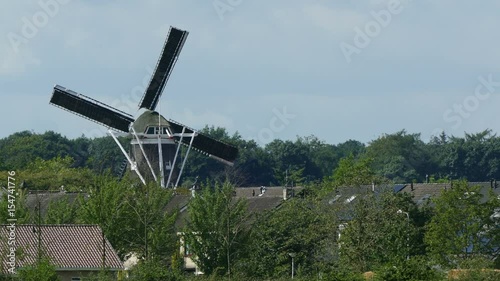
column 155, row 141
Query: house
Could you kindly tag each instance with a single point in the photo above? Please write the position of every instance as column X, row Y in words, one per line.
column 423, row 192
column 260, row 199
column 76, row 251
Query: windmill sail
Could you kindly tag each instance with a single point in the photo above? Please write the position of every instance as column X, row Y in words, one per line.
column 168, row 57
column 213, row 148
column 90, row 109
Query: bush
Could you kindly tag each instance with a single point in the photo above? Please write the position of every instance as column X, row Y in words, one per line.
column 414, row 269
column 44, row 271
column 474, row 275
column 153, row 271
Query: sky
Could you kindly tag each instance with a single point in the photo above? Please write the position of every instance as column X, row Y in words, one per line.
column 337, row 70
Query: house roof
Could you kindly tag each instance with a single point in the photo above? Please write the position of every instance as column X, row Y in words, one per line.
column 47, row 197
column 422, row 192
column 69, row 247
column 257, row 203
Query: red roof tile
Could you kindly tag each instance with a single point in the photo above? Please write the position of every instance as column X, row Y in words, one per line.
column 69, row 247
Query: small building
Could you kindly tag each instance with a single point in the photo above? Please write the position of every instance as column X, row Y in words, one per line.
column 76, row 251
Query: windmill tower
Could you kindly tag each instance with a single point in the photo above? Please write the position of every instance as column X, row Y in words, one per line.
column 154, row 152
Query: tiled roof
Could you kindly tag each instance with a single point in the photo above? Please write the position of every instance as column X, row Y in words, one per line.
column 261, row 204
column 272, row 191
column 422, row 192
column 269, row 200
column 47, row 197
column 69, row 247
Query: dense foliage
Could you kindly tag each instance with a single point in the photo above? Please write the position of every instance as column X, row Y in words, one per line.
column 399, row 157
column 381, row 233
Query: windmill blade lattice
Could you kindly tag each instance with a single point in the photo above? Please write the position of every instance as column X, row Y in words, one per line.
column 168, row 57
column 91, row 109
column 211, row 147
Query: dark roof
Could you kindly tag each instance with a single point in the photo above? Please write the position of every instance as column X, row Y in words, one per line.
column 270, row 199
column 261, row 204
column 271, row 191
column 178, row 201
column 48, row 197
column 422, row 192
column 69, row 247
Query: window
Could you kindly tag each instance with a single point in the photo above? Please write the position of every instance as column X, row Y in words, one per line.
column 187, row 251
column 76, row 279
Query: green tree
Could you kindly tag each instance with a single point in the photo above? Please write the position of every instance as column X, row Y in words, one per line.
column 297, row 227
column 105, row 155
column 216, row 231
column 61, row 212
column 376, row 231
column 463, row 226
column 401, row 157
column 153, row 270
column 352, row 172
column 150, row 226
column 20, row 149
column 417, row 268
column 54, row 174
column 105, row 205
column 22, row 213
column 43, row 271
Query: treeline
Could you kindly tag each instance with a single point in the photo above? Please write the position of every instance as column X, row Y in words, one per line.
column 330, row 238
column 400, row 157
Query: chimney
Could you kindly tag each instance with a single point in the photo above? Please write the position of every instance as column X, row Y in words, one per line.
column 411, row 186
column 491, row 183
column 373, row 186
column 285, row 193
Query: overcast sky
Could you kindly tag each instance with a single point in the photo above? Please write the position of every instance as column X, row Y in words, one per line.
column 268, row 69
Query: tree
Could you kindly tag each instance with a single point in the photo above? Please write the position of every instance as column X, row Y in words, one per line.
column 105, row 205
column 400, row 157
column 22, row 213
column 375, row 232
column 463, row 226
column 54, row 174
column 19, row 149
column 475, row 157
column 105, row 155
column 43, row 271
column 216, row 231
column 352, row 172
column 298, row 226
column 61, row 212
column 150, row 227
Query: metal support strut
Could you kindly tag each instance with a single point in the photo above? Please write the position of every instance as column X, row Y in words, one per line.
column 133, row 165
